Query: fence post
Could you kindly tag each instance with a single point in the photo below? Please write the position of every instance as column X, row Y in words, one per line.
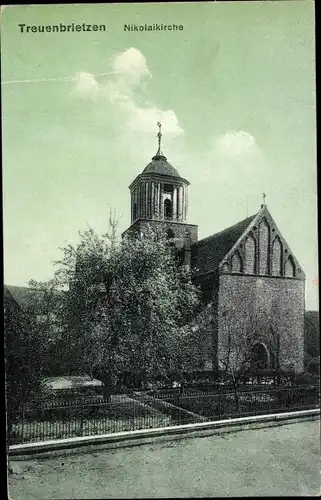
column 134, row 404
column 23, row 423
column 82, row 416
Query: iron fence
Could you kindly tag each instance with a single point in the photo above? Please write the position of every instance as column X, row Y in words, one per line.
column 42, row 420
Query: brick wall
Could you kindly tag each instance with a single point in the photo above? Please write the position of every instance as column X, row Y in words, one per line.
column 179, row 229
column 266, row 304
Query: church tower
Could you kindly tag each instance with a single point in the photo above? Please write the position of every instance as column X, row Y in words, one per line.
column 159, row 196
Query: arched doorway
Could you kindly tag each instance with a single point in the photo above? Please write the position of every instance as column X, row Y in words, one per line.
column 260, row 358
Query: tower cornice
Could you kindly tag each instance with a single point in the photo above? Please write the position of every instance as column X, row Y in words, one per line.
column 159, row 177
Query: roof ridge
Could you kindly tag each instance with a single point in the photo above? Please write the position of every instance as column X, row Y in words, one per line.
column 207, row 254
column 212, row 236
column 16, row 286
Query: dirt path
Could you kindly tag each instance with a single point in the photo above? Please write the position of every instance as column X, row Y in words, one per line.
column 274, row 461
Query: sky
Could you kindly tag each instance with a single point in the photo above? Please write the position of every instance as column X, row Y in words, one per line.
column 234, row 91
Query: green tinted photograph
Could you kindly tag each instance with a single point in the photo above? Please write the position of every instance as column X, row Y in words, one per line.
column 161, row 307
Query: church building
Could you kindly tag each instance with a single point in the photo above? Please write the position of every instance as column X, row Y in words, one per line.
column 247, row 272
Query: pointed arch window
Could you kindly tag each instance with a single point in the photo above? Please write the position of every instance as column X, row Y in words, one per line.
column 225, row 267
column 289, row 269
column 168, row 209
column 250, row 255
column 264, row 242
column 277, row 257
column 237, row 264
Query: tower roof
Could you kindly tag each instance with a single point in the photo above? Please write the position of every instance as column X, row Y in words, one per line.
column 159, row 165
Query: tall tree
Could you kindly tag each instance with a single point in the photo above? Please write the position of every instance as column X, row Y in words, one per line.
column 25, row 352
column 130, row 308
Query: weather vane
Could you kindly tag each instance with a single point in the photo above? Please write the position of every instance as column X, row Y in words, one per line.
column 159, row 135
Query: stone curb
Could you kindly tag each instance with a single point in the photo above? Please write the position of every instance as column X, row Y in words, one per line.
column 146, row 436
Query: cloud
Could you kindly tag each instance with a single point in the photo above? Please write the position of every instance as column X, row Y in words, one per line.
column 122, row 95
column 86, row 85
column 143, row 118
column 131, row 64
column 236, row 154
column 235, row 146
column 235, row 163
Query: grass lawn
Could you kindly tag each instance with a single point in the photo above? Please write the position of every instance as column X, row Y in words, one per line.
column 45, row 430
column 224, row 405
column 124, row 413
column 121, row 414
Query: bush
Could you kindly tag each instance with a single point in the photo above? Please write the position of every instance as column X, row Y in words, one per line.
column 305, row 379
column 313, row 368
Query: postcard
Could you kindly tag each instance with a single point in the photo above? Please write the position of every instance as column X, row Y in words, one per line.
column 160, row 249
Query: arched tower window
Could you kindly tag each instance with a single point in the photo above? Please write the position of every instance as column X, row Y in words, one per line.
column 277, row 257
column 289, row 270
column 250, row 255
column 134, row 211
column 168, row 209
column 237, row 264
column 264, row 241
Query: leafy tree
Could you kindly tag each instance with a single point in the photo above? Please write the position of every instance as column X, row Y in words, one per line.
column 25, row 350
column 48, row 303
column 130, row 308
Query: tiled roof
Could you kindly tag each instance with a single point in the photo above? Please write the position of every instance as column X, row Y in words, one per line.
column 22, row 295
column 159, row 165
column 208, row 253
